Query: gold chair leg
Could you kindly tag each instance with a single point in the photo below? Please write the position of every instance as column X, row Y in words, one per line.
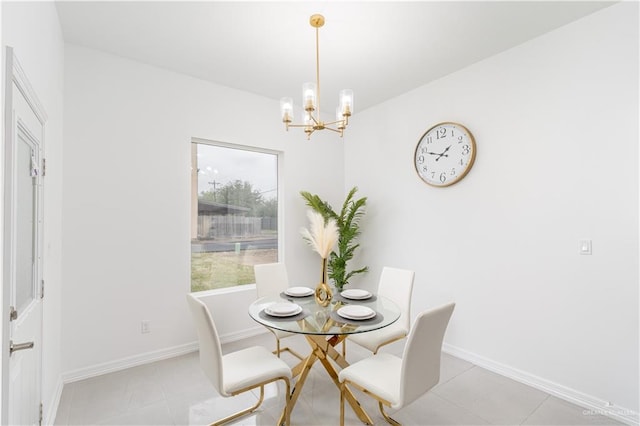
column 279, row 350
column 346, row 394
column 292, row 352
column 386, row 416
column 241, row 413
column 287, row 406
column 388, row 342
column 287, row 402
column 342, row 404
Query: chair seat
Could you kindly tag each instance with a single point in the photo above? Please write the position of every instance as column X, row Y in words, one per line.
column 373, row 339
column 379, row 374
column 251, row 366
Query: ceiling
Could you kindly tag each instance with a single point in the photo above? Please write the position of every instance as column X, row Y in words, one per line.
column 378, row 49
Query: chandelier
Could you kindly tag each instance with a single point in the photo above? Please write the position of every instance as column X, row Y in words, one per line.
column 311, row 119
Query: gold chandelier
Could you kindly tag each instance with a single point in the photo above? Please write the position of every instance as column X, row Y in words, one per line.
column 311, row 120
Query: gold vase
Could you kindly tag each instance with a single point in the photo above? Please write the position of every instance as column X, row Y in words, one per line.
column 323, row 291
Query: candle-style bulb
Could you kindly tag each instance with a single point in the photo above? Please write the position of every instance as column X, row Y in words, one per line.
column 309, row 96
column 346, row 102
column 286, row 109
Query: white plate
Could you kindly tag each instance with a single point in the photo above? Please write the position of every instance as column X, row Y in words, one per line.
column 355, row 293
column 298, row 291
column 356, row 312
column 283, row 309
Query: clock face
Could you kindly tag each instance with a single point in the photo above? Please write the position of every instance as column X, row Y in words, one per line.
column 445, row 154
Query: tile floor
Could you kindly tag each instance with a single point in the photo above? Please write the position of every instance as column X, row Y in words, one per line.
column 176, row 392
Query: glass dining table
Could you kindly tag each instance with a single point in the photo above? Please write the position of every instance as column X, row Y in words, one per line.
column 324, row 328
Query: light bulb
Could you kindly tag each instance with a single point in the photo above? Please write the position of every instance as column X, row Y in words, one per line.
column 286, row 109
column 309, row 96
column 346, row 102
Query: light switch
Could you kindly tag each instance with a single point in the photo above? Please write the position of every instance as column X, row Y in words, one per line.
column 585, row 246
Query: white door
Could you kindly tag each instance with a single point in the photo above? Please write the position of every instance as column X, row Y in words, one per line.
column 22, row 267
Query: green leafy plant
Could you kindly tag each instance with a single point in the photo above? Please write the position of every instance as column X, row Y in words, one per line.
column 348, row 221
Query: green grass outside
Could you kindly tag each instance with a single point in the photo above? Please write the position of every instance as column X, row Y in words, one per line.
column 227, row 269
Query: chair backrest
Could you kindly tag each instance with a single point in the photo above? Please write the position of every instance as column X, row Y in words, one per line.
column 421, row 357
column 397, row 285
column 271, row 278
column 210, row 349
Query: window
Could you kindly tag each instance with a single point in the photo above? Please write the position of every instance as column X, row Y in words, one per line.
column 234, row 219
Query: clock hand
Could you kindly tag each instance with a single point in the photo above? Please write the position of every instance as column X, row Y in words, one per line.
column 444, row 153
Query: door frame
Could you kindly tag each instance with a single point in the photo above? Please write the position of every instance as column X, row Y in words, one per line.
column 14, row 74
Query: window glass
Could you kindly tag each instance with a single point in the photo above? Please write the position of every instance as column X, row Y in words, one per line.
column 234, row 202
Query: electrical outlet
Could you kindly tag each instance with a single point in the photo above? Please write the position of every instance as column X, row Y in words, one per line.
column 145, row 327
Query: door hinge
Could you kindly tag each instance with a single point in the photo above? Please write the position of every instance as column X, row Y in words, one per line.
column 41, row 410
column 44, row 167
column 13, row 314
column 42, row 289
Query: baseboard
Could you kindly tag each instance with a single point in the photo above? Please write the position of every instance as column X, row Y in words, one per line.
column 123, row 363
column 148, row 357
column 591, row 404
column 49, row 416
column 243, row 334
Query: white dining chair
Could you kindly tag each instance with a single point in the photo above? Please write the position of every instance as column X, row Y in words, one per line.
column 271, row 278
column 240, row 371
column 395, row 284
column 397, row 382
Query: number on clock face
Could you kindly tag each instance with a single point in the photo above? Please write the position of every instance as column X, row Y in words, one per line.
column 445, row 154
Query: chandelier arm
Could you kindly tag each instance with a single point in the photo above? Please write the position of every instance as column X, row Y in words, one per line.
column 315, row 121
column 335, row 122
column 325, row 127
column 332, row 129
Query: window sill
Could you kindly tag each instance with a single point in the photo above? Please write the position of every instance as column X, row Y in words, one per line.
column 226, row 290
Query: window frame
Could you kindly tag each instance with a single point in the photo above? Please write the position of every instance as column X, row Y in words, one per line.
column 194, row 206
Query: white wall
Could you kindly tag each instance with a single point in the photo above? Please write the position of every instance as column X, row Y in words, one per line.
column 503, row 243
column 556, row 125
column 32, row 29
column 128, row 128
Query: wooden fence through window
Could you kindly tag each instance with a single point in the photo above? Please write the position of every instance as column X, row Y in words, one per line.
column 228, row 226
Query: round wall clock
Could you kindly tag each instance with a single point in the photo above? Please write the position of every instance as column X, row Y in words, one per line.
column 445, row 154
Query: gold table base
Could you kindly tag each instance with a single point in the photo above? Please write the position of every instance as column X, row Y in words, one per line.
column 323, row 349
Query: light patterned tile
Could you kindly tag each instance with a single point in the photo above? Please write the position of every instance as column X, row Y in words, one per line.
column 176, row 391
column 431, row 409
column 66, row 400
column 491, row 397
column 451, row 367
column 154, row 414
column 554, row 411
column 188, row 411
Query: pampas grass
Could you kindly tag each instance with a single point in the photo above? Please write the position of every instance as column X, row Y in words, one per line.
column 320, row 236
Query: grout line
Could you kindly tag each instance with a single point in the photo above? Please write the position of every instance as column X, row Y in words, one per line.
column 465, row 409
column 535, row 409
column 457, row 375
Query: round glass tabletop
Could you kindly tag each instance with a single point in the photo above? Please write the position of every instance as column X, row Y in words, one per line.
column 341, row 316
